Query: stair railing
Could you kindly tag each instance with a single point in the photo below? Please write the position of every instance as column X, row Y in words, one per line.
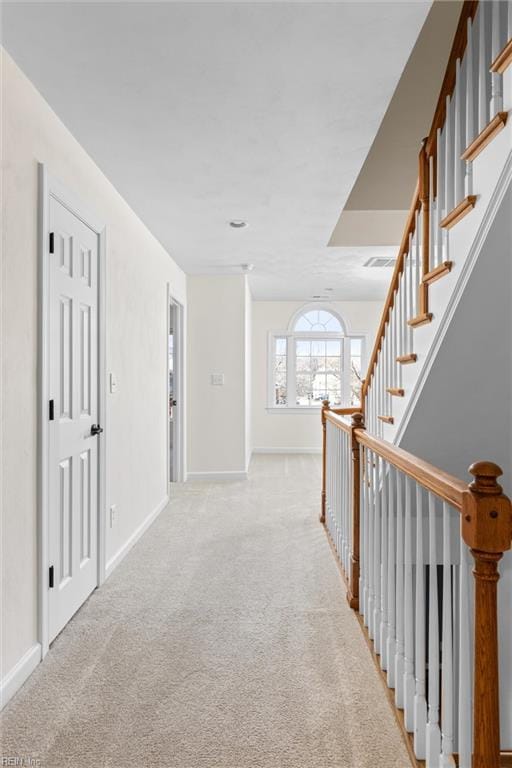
column 419, row 550
column 467, row 117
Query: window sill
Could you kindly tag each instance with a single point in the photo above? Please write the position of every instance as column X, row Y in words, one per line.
column 304, row 409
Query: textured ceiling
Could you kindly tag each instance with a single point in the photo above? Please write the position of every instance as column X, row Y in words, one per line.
column 202, row 113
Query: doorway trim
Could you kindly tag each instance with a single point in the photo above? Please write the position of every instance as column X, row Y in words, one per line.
column 49, row 187
column 179, row 394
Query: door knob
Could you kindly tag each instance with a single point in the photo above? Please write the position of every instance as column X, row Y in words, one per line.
column 96, row 429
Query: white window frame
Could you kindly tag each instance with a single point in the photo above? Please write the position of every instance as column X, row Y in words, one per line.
column 291, row 337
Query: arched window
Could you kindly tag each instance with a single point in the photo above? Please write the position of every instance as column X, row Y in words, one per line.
column 315, row 360
column 318, row 320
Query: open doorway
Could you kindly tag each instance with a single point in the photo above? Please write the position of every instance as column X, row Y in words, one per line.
column 175, row 389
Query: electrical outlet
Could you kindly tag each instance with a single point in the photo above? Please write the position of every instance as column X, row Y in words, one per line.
column 113, row 514
column 217, row 379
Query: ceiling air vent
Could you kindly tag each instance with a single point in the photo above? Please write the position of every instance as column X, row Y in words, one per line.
column 378, row 261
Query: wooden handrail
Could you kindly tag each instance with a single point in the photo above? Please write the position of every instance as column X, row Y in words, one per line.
column 445, row 486
column 388, row 305
column 338, row 420
column 460, row 41
column 429, row 148
column 348, row 411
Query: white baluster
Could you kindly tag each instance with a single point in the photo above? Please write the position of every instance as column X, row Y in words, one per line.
column 389, row 334
column 432, row 218
column 484, row 61
column 410, row 288
column 348, row 499
column 371, row 544
column 399, row 652
column 408, row 611
column 419, row 260
column 391, row 602
column 392, row 344
column 433, row 733
column 412, row 285
column 385, row 369
column 465, row 725
column 440, row 204
column 496, row 79
column 382, row 386
column 363, row 531
column 415, row 266
column 337, row 470
column 343, row 511
column 341, row 506
column 470, row 103
column 447, row 653
column 448, row 159
column 341, row 465
column 334, row 480
column 377, row 555
column 458, row 136
column 420, row 704
column 400, row 329
column 384, row 566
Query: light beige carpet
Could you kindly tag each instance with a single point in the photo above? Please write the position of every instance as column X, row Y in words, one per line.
column 223, row 640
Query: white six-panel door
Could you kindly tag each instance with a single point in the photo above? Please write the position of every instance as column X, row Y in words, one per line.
column 73, row 387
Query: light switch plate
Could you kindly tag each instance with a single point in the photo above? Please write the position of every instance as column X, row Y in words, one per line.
column 217, row 379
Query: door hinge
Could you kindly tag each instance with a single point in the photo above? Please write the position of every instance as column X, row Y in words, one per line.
column 51, row 242
column 50, row 577
column 51, row 411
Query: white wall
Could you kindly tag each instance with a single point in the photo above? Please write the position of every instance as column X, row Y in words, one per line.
column 138, row 269
column 272, row 430
column 218, row 320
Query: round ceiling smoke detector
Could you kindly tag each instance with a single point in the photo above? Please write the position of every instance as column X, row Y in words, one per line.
column 237, row 224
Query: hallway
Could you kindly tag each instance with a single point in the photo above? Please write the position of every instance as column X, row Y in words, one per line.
column 223, row 640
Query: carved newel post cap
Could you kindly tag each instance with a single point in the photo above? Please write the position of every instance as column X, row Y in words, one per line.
column 485, row 474
column 325, row 403
column 358, row 420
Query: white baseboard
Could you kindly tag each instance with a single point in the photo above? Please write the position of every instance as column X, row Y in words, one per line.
column 287, row 450
column 21, row 671
column 217, row 476
column 138, row 532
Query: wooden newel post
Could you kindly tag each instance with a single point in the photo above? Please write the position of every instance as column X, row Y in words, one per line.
column 325, row 408
column 353, row 590
column 486, row 528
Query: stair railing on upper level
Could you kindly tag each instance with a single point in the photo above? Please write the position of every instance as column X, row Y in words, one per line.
column 406, row 536
column 467, row 117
